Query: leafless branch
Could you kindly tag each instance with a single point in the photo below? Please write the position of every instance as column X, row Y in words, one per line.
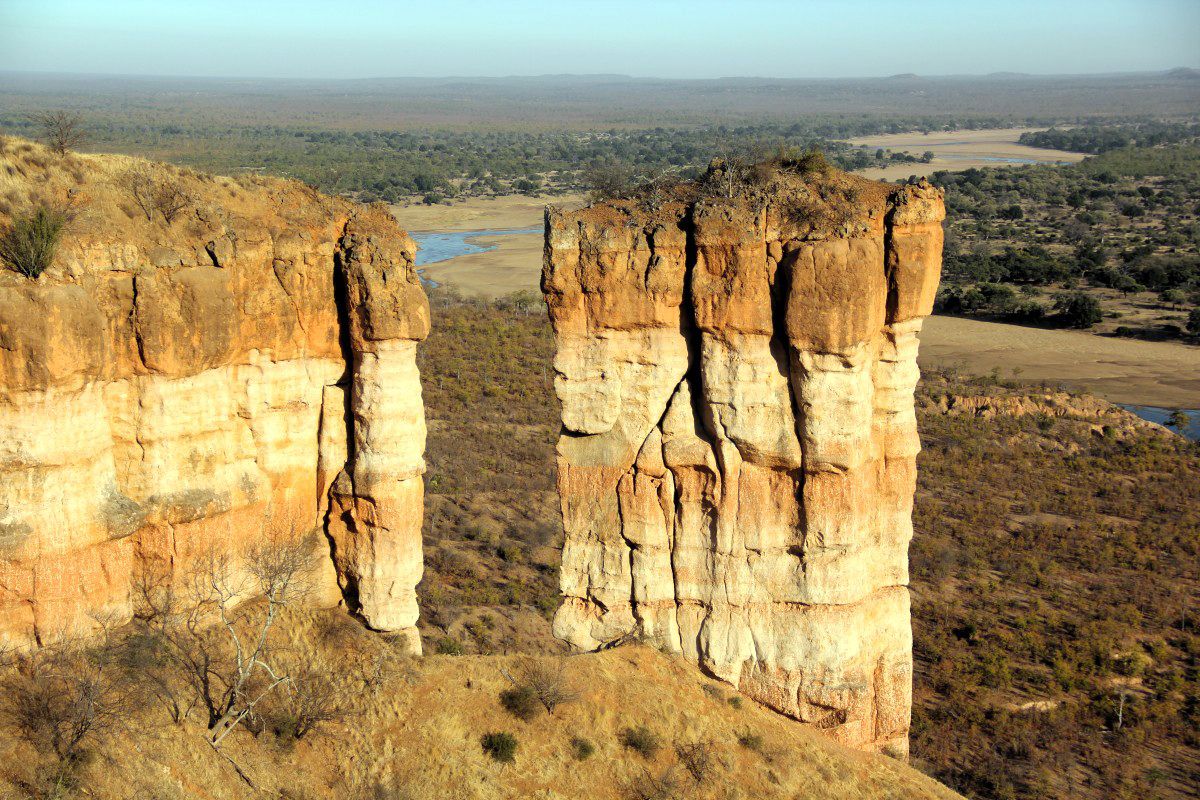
column 61, row 130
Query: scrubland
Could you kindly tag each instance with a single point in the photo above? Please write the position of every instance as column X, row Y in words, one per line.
column 1054, row 558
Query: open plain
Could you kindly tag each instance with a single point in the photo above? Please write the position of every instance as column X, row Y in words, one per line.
column 959, row 150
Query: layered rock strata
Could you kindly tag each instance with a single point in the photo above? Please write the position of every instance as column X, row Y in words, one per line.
column 172, row 388
column 737, row 464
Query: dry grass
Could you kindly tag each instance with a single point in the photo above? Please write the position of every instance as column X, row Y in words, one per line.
column 185, row 206
column 413, row 730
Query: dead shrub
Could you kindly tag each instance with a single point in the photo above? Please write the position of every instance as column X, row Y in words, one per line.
column 696, row 758
column 63, row 700
column 647, row 786
column 153, row 194
column 312, row 697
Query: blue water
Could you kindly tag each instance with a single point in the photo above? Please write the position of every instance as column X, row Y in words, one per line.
column 435, row 247
column 1160, row 415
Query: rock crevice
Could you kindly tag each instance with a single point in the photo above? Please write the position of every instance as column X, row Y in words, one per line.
column 161, row 397
column 737, row 462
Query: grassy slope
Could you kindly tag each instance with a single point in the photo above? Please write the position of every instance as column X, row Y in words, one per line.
column 415, row 733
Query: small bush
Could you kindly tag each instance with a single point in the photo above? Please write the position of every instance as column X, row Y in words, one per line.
column 608, row 181
column 696, row 758
column 449, row 647
column 29, row 244
column 521, row 702
column 751, row 741
column 735, row 701
column 641, row 740
column 810, row 162
column 582, row 748
column 648, row 786
column 500, row 746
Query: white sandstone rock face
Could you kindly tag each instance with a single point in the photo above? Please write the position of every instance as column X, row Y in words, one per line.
column 160, row 398
column 738, row 459
column 380, row 555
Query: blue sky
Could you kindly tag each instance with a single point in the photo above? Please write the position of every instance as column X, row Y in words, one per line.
column 666, row 38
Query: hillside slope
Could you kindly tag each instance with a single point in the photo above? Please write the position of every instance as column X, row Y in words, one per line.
column 411, row 728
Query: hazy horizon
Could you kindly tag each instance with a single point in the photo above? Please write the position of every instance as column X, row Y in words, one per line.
column 586, row 75
column 667, row 40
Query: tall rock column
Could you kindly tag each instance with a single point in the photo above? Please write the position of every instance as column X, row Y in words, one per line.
column 737, row 462
column 377, row 502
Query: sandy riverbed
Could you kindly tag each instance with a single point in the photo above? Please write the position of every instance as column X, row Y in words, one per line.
column 959, row 150
column 1164, row 374
column 481, row 213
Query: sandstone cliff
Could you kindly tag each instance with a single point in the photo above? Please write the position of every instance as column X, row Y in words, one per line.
column 736, row 364
column 169, row 387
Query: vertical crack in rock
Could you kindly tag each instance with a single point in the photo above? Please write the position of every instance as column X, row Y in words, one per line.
column 376, row 503
column 161, row 398
column 748, row 363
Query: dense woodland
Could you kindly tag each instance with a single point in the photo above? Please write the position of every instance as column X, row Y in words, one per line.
column 438, row 164
column 1096, row 139
column 1025, row 243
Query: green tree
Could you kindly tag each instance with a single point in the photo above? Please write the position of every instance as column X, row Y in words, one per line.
column 1193, row 322
column 1078, row 309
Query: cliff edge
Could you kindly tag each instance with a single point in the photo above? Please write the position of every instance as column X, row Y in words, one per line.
column 207, row 363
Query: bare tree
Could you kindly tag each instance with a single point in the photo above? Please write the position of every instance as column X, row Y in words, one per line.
column 546, row 682
column 727, row 174
column 550, row 684
column 61, row 130
column 62, row 699
column 151, row 193
column 312, row 697
column 222, row 644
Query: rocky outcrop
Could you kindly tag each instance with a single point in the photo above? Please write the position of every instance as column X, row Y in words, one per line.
column 169, row 388
column 736, row 369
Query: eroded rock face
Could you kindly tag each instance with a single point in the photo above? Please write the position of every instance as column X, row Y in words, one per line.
column 737, row 464
column 167, row 389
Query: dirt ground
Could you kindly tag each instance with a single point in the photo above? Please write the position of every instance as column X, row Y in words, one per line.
column 959, row 150
column 1164, row 374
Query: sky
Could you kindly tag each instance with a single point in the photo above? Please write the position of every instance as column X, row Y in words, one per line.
column 648, row 38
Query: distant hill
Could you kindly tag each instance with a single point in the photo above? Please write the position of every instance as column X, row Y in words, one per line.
column 1184, row 73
